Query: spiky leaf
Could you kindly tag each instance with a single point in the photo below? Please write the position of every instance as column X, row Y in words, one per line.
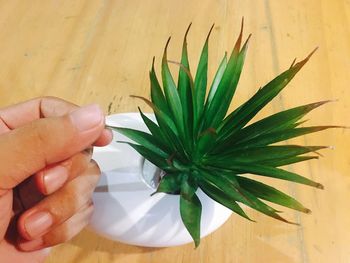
column 190, row 210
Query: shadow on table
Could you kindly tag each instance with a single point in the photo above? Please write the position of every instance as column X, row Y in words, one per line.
column 91, row 246
column 88, row 242
column 273, row 241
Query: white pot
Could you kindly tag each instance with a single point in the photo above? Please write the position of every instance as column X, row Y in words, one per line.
column 126, row 212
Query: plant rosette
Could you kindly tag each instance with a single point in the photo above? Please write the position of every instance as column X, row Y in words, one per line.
column 125, row 209
column 203, row 153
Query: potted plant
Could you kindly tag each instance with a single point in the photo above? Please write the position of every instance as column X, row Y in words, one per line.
column 183, row 170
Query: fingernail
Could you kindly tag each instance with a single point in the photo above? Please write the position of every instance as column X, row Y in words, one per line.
column 37, row 224
column 30, row 245
column 87, row 117
column 54, row 178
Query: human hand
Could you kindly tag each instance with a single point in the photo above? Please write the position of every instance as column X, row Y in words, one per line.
column 47, row 176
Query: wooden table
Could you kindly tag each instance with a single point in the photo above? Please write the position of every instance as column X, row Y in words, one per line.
column 101, row 51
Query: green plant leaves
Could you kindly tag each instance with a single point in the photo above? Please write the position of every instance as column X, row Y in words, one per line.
column 145, row 139
column 280, row 135
column 240, row 117
column 218, row 106
column 261, row 154
column 198, row 145
column 217, row 79
column 171, row 94
column 157, row 160
column 223, row 191
column 156, row 92
column 190, row 209
column 185, row 89
column 222, row 197
column 264, row 170
column 276, row 122
column 170, row 184
column 271, row 194
column 200, row 82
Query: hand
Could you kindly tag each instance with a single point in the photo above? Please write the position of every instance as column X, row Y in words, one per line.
column 47, row 176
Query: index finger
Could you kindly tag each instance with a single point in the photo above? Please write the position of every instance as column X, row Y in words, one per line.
column 17, row 115
column 22, row 113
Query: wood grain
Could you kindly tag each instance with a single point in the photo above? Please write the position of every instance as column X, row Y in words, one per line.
column 101, row 51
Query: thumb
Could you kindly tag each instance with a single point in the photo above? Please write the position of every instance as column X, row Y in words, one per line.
column 32, row 147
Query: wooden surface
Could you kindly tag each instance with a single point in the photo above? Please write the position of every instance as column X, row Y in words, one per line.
column 101, row 51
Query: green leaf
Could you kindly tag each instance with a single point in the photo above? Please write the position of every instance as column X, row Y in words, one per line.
column 226, row 88
column 163, row 119
column 287, row 161
column 274, row 123
column 169, row 129
column 157, row 160
column 262, row 154
column 148, row 141
column 157, row 95
column 200, row 81
column 226, row 182
column 259, row 169
column 271, row 194
column 170, row 184
column 264, row 208
column 239, row 118
column 171, row 94
column 206, row 141
column 185, row 86
column 217, row 191
column 190, row 210
column 221, row 197
column 217, row 79
column 166, row 137
column 153, row 128
column 278, row 136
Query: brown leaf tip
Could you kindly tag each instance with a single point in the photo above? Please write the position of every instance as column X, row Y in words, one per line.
column 319, row 186
column 307, row 211
column 312, row 52
column 166, row 48
column 242, row 25
column 187, row 30
column 210, row 30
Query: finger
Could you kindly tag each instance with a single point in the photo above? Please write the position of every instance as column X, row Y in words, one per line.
column 5, row 212
column 32, row 147
column 62, row 233
column 105, row 138
column 32, row 190
column 34, row 109
column 31, row 110
column 58, row 207
column 52, row 178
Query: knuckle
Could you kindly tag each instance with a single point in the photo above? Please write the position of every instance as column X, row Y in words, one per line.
column 39, row 131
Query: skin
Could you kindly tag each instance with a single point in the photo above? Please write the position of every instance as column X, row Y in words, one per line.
column 47, row 176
